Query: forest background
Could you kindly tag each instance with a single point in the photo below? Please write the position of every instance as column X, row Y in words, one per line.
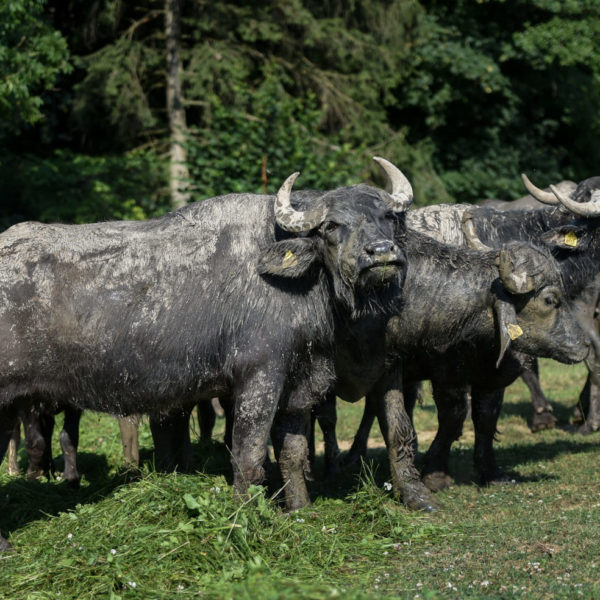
column 125, row 109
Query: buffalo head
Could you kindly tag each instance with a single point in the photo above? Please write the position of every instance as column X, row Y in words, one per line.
column 354, row 233
column 532, row 310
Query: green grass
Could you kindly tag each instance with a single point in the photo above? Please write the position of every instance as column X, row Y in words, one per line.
column 184, row 536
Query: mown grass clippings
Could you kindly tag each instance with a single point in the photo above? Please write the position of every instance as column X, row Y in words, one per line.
column 179, row 536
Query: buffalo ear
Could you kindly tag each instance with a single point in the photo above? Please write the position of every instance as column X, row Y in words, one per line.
column 508, row 328
column 567, row 237
column 292, row 257
column 522, row 268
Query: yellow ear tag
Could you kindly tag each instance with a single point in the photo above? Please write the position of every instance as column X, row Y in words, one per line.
column 514, row 331
column 571, row 239
column 289, row 260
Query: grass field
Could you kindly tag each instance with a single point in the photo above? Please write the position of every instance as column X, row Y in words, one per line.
column 183, row 536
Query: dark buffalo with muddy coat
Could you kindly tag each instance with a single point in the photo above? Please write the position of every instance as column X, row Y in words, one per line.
column 463, row 225
column 240, row 295
column 589, row 399
column 466, row 319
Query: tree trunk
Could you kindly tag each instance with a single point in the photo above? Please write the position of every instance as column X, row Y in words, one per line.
column 179, row 175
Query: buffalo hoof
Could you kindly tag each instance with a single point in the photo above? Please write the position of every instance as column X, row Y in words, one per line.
column 74, row 483
column 352, row 458
column 418, row 497
column 588, row 427
column 577, row 418
column 34, row 474
column 438, row 480
column 497, row 476
column 543, row 420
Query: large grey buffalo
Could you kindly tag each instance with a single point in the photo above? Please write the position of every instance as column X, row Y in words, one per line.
column 466, row 318
column 239, row 295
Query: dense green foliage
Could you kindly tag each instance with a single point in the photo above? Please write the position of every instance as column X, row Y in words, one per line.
column 462, row 95
column 186, row 536
column 32, row 55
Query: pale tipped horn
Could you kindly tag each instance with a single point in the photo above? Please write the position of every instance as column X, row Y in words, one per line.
column 402, row 192
column 470, row 234
column 582, row 209
column 539, row 195
column 291, row 219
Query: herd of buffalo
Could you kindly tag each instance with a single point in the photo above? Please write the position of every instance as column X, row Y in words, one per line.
column 278, row 305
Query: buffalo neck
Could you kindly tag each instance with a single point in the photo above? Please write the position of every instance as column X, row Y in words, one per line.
column 447, row 298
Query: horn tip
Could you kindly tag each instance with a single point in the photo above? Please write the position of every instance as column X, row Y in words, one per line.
column 291, row 178
column 526, row 181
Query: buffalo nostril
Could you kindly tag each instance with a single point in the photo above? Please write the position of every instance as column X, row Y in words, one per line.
column 380, row 247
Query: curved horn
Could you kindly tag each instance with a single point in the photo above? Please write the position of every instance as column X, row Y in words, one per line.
column 583, row 209
column 539, row 195
column 470, row 234
column 291, row 219
column 402, row 192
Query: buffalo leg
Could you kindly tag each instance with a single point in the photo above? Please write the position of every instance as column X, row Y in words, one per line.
column 358, row 449
column 36, row 426
column 583, row 405
column 46, row 420
column 172, row 444
column 412, row 392
column 359, row 446
column 226, row 403
column 13, row 449
column 399, row 435
column 542, row 409
column 207, row 417
column 8, row 418
column 253, row 417
column 129, row 427
column 69, row 440
column 290, row 443
column 590, row 402
column 326, row 415
column 452, row 408
column 486, row 407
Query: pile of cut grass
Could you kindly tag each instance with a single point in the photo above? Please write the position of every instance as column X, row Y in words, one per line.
column 165, row 536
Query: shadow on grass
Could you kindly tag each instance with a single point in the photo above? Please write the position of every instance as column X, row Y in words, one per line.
column 23, row 501
column 461, row 466
column 524, row 409
column 517, row 455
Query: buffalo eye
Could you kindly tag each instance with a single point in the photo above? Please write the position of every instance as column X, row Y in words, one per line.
column 330, row 226
column 551, row 299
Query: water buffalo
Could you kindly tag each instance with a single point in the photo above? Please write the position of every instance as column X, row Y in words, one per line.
column 445, row 331
column 589, row 399
column 465, row 225
column 528, row 201
column 239, row 295
column 466, row 320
